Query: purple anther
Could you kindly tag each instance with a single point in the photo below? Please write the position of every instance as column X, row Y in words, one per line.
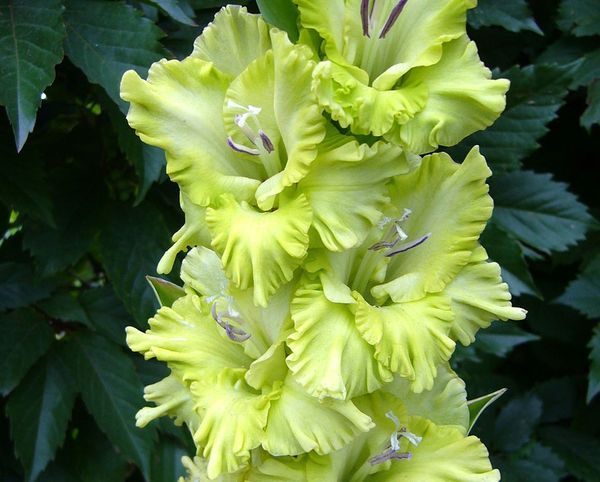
column 389, row 454
column 408, row 246
column 383, row 244
column 233, row 333
column 395, row 13
column 364, row 16
column 266, row 142
column 241, row 148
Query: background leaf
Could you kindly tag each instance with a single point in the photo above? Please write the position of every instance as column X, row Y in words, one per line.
column 112, row 393
column 583, row 293
column 25, row 337
column 39, row 410
column 594, row 376
column 513, row 15
column 31, row 34
column 104, row 39
column 282, row 14
column 538, row 211
column 580, row 17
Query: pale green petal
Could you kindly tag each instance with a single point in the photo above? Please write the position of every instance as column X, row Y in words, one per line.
column 233, row 419
column 197, row 472
column 354, row 104
column 268, row 369
column 280, row 469
column 194, row 232
column 346, row 188
column 450, row 202
column 479, row 297
column 179, row 109
column 279, row 83
column 410, row 338
column 444, row 404
column 329, row 357
column 188, row 339
column 233, row 39
column 260, row 249
column 202, row 271
column 171, row 397
column 462, row 99
column 444, row 455
column 300, row 423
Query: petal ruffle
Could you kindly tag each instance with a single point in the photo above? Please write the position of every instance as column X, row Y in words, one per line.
column 411, row 338
column 324, row 426
column 479, row 297
column 462, row 99
column 233, row 419
column 347, row 188
column 260, row 249
column 450, row 202
column 329, row 357
column 233, row 40
column 188, row 339
column 179, row 109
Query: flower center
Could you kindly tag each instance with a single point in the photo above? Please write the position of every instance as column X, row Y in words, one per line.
column 396, row 234
column 370, row 12
column 246, row 119
column 392, row 451
column 224, row 319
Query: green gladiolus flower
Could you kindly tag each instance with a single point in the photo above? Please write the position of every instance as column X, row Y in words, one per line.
column 258, row 169
column 402, row 69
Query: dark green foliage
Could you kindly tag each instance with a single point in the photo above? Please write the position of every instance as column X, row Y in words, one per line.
column 86, row 213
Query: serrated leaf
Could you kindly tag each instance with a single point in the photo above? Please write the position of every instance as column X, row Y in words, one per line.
column 583, row 294
column 31, row 34
column 513, row 15
column 591, row 115
column 112, row 393
column 579, row 451
column 502, row 337
column 516, row 421
column 104, row 39
column 105, row 313
column 594, row 374
column 131, row 245
column 78, row 204
column 24, row 184
column 65, row 307
column 479, row 404
column 166, row 292
column 538, row 211
column 19, row 286
column 579, row 17
column 535, row 95
column 25, row 337
column 539, row 464
column 282, row 14
column 508, row 253
column 177, row 10
column 39, row 410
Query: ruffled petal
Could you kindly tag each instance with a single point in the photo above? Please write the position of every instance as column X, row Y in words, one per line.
column 301, row 423
column 444, row 455
column 179, row 109
column 260, row 249
column 366, row 110
column 411, row 338
column 450, row 202
column 279, row 83
column 194, row 232
column 233, row 419
column 171, row 397
column 233, row 39
column 462, row 99
column 346, row 188
column 202, row 271
column 444, row 404
column 479, row 297
column 329, row 357
column 188, row 339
